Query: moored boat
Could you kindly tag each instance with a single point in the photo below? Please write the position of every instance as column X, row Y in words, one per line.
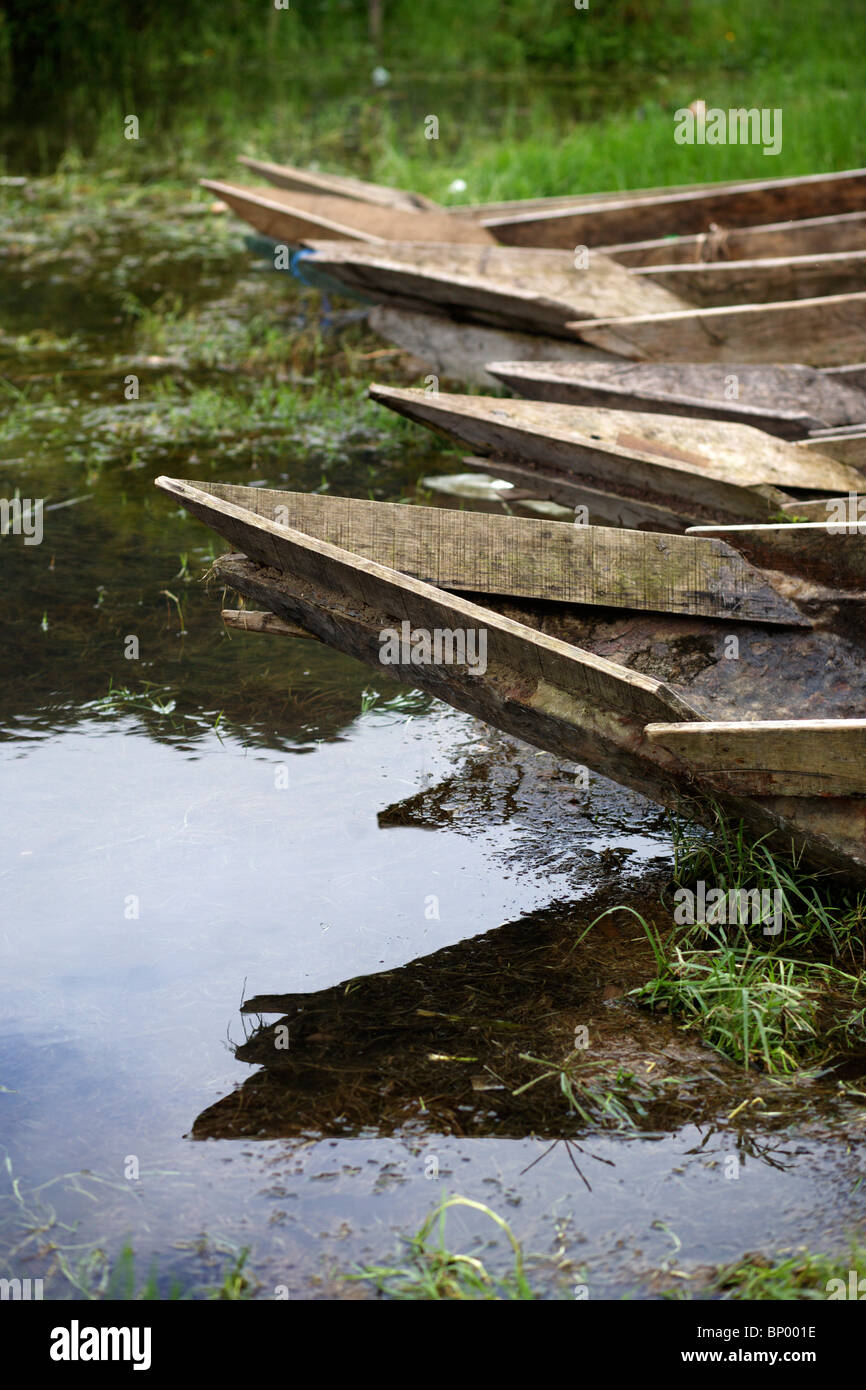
column 791, row 401
column 575, row 677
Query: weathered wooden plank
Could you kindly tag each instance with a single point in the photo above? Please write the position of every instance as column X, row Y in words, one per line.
column 738, row 205
column 807, row 757
column 811, row 236
column 762, row 281
column 563, row 675
column 294, row 218
column 538, row 291
column 479, row 553
column 697, row 464
column 816, row 332
column 250, row 620
column 817, row 549
column 457, row 351
column 788, row 401
column 336, row 185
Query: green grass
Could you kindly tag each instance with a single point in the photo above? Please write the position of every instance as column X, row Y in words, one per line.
column 429, row 1271
column 530, row 100
column 782, row 1003
column 783, row 1278
column 758, row 1009
column 818, row 916
column 603, row 1095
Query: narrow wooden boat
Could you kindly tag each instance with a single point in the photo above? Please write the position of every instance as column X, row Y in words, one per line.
column 764, row 281
column 826, row 550
column 699, row 470
column 811, row 236
column 526, row 291
column 336, row 186
column 572, row 677
column 529, row 290
column 292, row 218
column 673, row 214
column 457, row 351
column 340, row 185
column 790, row 401
column 687, row 210
column 820, row 332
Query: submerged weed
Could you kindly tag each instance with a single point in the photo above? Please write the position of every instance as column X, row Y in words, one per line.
column 435, row 1273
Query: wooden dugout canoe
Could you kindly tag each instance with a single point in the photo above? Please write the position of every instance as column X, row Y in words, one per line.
column 336, row 186
column 700, row 470
column 790, row 401
column 683, row 213
column 530, row 290
column 340, row 185
column 594, row 219
column 292, row 218
column 811, row 236
column 568, row 678
column 761, row 281
column 524, row 291
column 822, row 332
column 457, row 352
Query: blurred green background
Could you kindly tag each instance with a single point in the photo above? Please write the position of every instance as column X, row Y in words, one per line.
column 532, row 96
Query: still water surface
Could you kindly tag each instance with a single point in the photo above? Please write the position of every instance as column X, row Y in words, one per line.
column 228, row 818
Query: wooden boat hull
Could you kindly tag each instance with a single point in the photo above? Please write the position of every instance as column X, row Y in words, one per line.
column 770, row 280
column 293, row 218
column 526, row 291
column 570, row 679
column 336, row 186
column 544, row 292
column 736, row 205
column 821, row 832
column 702, row 469
column 811, row 236
column 788, row 401
column 458, row 352
column 821, row 332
